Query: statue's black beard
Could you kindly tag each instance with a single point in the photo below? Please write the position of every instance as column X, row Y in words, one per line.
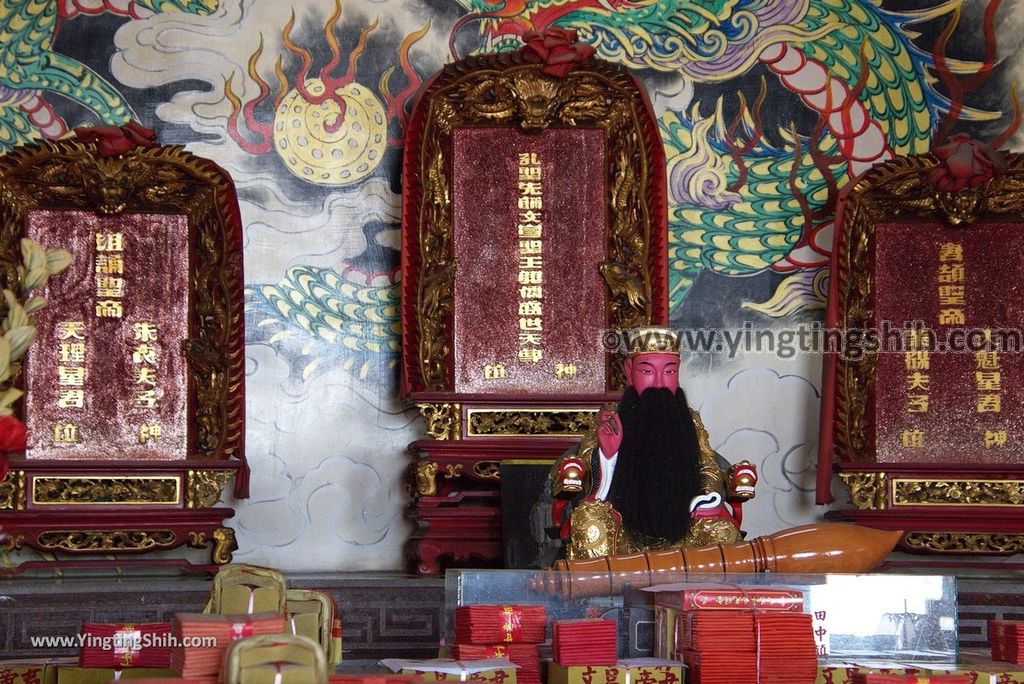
column 657, row 472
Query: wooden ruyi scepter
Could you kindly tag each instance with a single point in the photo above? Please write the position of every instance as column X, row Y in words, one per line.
column 809, row 549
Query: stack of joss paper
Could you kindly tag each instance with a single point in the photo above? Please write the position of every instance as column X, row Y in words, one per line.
column 203, row 661
column 584, row 642
column 126, row 645
column 786, row 653
column 718, row 646
column 1007, row 640
column 497, row 628
column 868, row 678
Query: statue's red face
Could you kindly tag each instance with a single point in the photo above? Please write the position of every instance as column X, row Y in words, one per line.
column 654, row 369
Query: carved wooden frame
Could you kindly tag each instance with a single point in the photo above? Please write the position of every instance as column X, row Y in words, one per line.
column 70, row 175
column 502, row 91
column 943, row 508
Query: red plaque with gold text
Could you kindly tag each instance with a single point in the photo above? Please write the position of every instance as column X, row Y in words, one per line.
column 528, row 237
column 134, row 383
column 533, row 221
column 928, row 431
column 106, row 376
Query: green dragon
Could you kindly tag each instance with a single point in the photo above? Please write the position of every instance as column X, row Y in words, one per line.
column 742, row 212
column 30, row 71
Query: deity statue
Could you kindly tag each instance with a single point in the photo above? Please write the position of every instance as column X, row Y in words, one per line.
column 646, row 478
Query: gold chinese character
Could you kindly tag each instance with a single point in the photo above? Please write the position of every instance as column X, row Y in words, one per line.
column 531, row 277
column 529, row 173
column 951, row 251
column 146, row 376
column 144, row 354
column 531, row 262
column 917, row 403
column 565, row 370
column 109, row 308
column 917, row 381
column 987, row 360
column 530, row 309
column 988, row 381
column 990, row 403
column 529, row 230
column 530, row 355
column 951, row 273
column 530, row 246
column 916, row 339
column 109, row 242
column 528, row 159
column 531, row 292
column 995, row 438
column 71, row 398
column 65, row 433
column 145, row 399
column 73, row 376
column 535, row 324
column 951, row 317
column 494, row 371
column 529, row 339
column 531, row 202
column 144, row 332
column 951, row 295
column 530, row 188
column 916, row 360
column 71, row 330
column 110, row 263
column 109, row 287
column 912, row 439
column 149, row 431
column 72, row 352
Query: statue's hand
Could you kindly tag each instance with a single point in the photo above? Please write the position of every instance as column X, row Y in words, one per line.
column 609, row 433
column 742, row 479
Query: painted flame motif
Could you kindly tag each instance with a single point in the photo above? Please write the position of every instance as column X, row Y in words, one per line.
column 327, row 129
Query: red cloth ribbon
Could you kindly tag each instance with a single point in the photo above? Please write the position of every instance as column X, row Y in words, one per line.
column 557, row 48
column 114, row 140
column 964, row 162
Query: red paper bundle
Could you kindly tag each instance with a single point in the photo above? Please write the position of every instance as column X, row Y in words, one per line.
column 525, row 656
column 789, row 600
column 867, row 678
column 720, row 666
column 124, row 645
column 786, row 651
column 374, row 679
column 725, row 630
column 214, row 633
column 500, row 624
column 584, row 642
column 1007, row 640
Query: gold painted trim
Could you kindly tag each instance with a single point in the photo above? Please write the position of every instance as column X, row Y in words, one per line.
column 957, row 492
column 87, row 541
column 965, row 542
column 204, row 487
column 529, row 422
column 12, row 491
column 105, row 490
column 444, row 421
column 868, row 491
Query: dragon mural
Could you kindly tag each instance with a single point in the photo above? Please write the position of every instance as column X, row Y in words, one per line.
column 740, row 204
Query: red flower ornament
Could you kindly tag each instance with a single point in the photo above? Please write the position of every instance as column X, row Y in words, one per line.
column 965, row 163
column 558, row 49
column 114, row 140
column 13, row 440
